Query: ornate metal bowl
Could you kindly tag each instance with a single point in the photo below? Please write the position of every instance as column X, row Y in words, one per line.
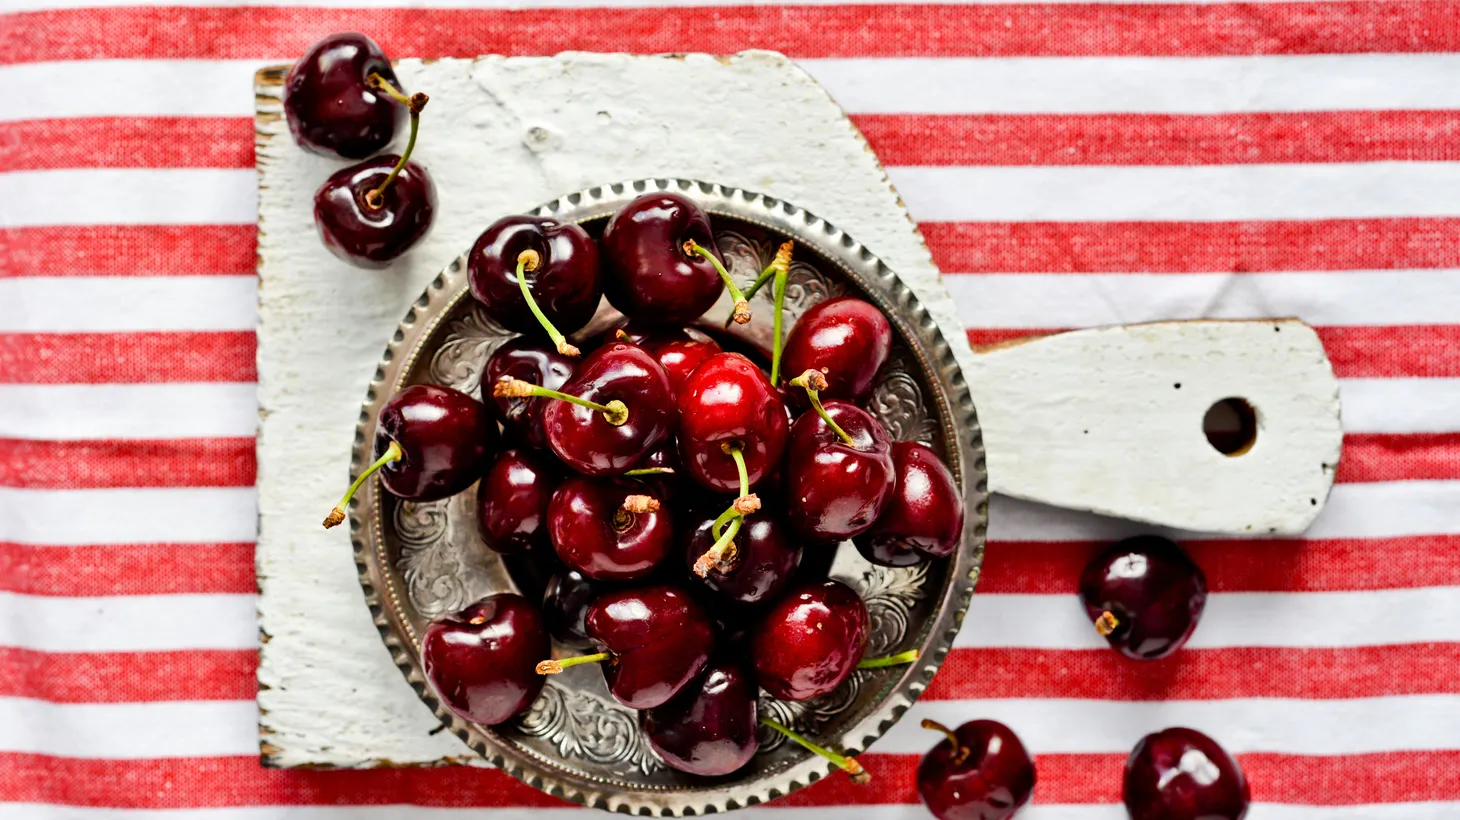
column 420, row 560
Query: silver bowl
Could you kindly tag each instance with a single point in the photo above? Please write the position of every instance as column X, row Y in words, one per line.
column 418, row 561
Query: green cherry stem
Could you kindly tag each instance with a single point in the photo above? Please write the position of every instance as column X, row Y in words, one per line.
column 650, row 471
column 375, row 198
column 899, row 659
column 779, row 294
column 379, row 83
column 615, row 412
column 742, row 307
column 765, row 276
column 847, row 764
column 554, row 667
column 337, row 515
column 528, row 261
column 814, row 382
column 727, row 526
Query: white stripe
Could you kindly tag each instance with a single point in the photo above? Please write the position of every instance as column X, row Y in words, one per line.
column 113, row 88
column 130, row 731
column 128, row 623
column 72, row 304
column 1231, row 619
column 110, row 196
column 1400, row 405
column 107, row 411
column 129, row 515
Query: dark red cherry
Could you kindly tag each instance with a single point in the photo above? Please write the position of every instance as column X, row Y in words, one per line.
column 512, row 501
column 1181, row 774
column 1145, row 595
column 924, row 513
column 728, row 402
column 559, row 263
column 532, row 361
column 609, row 529
column 847, row 339
column 680, row 353
column 837, row 484
column 648, row 274
column 981, row 771
column 586, row 439
column 810, row 641
column 329, row 102
column 709, row 728
column 482, row 661
column 372, row 235
column 565, row 603
column 766, row 557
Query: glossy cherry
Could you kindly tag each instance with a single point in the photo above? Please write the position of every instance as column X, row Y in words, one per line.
column 532, row 361
column 981, row 771
column 729, row 403
column 1181, row 774
column 839, row 470
column 565, row 603
column 924, row 513
column 1145, row 595
column 762, row 565
column 656, row 640
column 810, row 641
column 330, row 102
column 372, row 235
column 482, row 661
column 650, row 272
column 534, row 274
column 609, row 529
column 680, row 353
column 709, row 728
column 512, row 501
column 845, row 338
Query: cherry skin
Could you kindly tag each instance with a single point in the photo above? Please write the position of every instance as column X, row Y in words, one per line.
column 834, row 489
column 709, row 728
column 584, row 438
column 565, row 603
column 728, row 401
column 595, row 534
column 846, row 338
column 532, row 361
column 371, row 236
column 660, row 640
column 767, row 555
column 512, row 501
column 481, row 661
column 648, row 275
column 446, row 440
column 1181, row 774
column 810, row 641
column 329, row 103
column 981, row 771
column 563, row 278
column 924, row 514
column 1145, row 595
column 680, row 353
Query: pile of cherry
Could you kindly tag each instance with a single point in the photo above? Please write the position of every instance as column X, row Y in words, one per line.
column 694, row 595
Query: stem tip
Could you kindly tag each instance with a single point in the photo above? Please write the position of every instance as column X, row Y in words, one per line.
column 641, row 504
column 549, row 668
column 746, row 504
column 742, row 312
column 335, row 518
column 510, row 388
column 1106, row 623
column 567, row 349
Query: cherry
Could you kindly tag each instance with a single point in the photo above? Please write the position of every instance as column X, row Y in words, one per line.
column 432, row 442
column 565, row 603
column 530, row 361
column 680, row 353
column 839, row 470
column 528, row 271
column 846, row 338
column 729, row 405
column 660, row 262
column 609, row 529
column 661, row 471
column 332, row 105
column 1181, row 774
column 481, row 660
column 762, row 565
column 924, row 513
column 709, row 728
column 980, row 772
column 512, row 501
column 810, row 641
column 1145, row 595
column 657, row 640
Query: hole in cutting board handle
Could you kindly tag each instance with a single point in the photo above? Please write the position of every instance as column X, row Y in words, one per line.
column 1231, row 426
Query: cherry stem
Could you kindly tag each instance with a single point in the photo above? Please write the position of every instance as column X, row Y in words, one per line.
column 554, row 667
column 379, row 83
column 847, row 764
column 528, row 261
column 779, row 294
column 742, row 307
column 960, row 752
column 615, row 412
column 723, row 551
column 890, row 660
column 337, row 515
column 1106, row 623
column 814, row 382
column 374, row 198
column 650, row 471
column 765, row 276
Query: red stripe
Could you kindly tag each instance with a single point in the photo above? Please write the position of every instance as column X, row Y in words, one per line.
column 1162, row 139
column 98, row 677
column 127, row 569
column 802, row 32
column 1389, row 457
column 1277, row 565
column 127, row 142
column 127, row 250
column 128, row 358
column 1200, row 674
column 220, row 462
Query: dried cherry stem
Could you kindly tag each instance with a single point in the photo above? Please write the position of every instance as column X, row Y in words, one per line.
column 337, row 515
column 814, row 382
column 650, row 471
column 527, row 262
column 742, row 307
column 1106, row 623
column 375, row 197
column 615, row 412
column 960, row 752
column 640, row 504
column 899, row 659
column 846, row 764
column 778, row 293
column 554, row 667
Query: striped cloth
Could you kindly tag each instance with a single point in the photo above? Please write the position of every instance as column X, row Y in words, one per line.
column 1071, row 164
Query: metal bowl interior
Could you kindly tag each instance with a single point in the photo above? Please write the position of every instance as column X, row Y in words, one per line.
column 418, row 561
